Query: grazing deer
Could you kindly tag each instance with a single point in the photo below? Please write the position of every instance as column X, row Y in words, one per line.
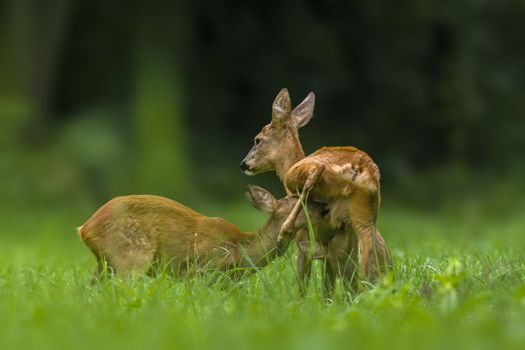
column 345, row 178
column 132, row 233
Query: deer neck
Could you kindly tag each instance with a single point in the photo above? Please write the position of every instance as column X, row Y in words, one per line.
column 261, row 248
column 292, row 152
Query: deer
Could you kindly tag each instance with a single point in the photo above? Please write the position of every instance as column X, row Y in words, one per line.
column 343, row 177
column 130, row 235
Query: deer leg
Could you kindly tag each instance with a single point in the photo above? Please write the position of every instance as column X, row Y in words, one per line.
column 384, row 252
column 290, row 220
column 310, row 182
column 304, row 263
column 380, row 260
column 329, row 278
column 133, row 263
column 343, row 258
column 304, row 268
column 98, row 272
column 314, row 177
column 365, row 238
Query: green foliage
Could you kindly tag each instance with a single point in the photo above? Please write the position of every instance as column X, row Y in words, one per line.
column 450, row 288
column 419, row 85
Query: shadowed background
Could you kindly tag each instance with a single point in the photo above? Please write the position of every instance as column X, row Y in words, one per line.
column 104, row 98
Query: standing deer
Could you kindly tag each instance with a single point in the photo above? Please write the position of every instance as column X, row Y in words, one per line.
column 132, row 233
column 345, row 178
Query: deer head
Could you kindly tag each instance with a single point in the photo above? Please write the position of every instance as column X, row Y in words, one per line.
column 277, row 144
column 279, row 210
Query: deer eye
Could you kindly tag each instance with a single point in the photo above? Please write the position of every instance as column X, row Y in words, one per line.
column 257, row 141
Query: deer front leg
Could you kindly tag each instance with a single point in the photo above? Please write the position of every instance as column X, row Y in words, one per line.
column 329, row 278
column 304, row 263
column 304, row 268
column 310, row 182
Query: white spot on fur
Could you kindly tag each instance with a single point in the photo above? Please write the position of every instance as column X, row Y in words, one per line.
column 347, row 171
column 351, row 173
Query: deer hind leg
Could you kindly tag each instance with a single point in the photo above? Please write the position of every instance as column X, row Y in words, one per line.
column 130, row 255
column 374, row 255
column 343, row 258
column 103, row 269
column 133, row 263
column 380, row 260
column 99, row 272
column 311, row 181
column 385, row 251
column 367, row 252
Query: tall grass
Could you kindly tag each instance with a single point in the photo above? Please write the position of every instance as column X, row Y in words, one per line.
column 458, row 282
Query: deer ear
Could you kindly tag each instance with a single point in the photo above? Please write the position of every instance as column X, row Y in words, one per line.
column 302, row 114
column 281, row 108
column 261, row 199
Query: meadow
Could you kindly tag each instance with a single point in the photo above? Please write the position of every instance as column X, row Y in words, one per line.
column 99, row 98
column 458, row 282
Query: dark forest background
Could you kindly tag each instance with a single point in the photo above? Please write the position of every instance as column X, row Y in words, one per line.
column 100, row 98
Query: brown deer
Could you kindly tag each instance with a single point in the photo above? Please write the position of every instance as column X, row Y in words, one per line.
column 133, row 233
column 345, row 178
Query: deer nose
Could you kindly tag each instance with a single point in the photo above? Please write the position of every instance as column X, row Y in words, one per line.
column 244, row 166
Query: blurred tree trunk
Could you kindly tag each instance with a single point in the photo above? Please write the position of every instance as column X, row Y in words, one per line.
column 158, row 107
column 30, row 37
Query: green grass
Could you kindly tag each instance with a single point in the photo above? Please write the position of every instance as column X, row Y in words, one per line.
column 459, row 282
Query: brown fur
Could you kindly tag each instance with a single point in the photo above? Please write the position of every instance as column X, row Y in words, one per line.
column 132, row 233
column 349, row 184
